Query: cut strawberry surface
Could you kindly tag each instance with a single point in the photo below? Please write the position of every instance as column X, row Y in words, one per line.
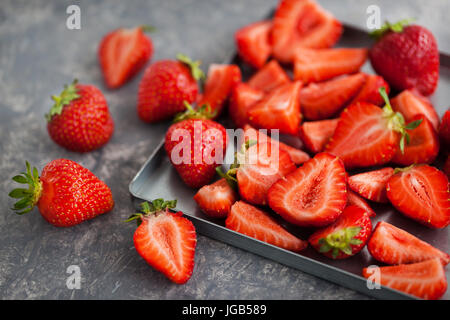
column 370, row 90
column 253, row 43
column 421, row 192
column 392, row 245
column 318, row 65
column 425, row 280
column 216, row 199
column 269, row 77
column 315, row 134
column 371, row 185
column 313, row 195
column 255, row 223
column 324, row 100
column 242, row 98
column 353, row 199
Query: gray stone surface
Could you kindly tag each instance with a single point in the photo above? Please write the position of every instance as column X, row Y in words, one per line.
column 37, row 56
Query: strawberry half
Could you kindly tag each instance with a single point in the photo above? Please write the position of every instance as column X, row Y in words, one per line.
column 253, row 43
column 216, row 199
column 353, row 199
column 370, row 92
column 242, row 98
column 392, row 245
column 316, row 134
column 313, row 195
column 371, row 185
column 421, row 192
column 255, row 223
column 269, row 77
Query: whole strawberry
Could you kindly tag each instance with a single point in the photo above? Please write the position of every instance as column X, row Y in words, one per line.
column 66, row 193
column 80, row 119
column 165, row 86
column 406, row 56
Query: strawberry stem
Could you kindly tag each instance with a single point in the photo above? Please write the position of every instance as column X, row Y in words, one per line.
column 28, row 198
column 148, row 28
column 204, row 112
column 148, row 208
column 196, row 72
column 340, row 240
column 388, row 27
column 69, row 94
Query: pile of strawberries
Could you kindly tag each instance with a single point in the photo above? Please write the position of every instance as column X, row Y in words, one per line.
column 355, row 138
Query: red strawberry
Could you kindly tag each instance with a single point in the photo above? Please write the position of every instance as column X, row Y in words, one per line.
column 447, row 167
column 66, row 193
column 221, row 80
column 392, row 245
column 80, row 119
column 324, row 100
column 315, row 134
column 242, row 98
column 165, row 86
column 269, row 77
column 255, row 223
column 302, row 24
column 317, row 65
column 313, row 195
column 253, row 43
column 444, row 130
column 279, row 109
column 407, row 57
column 122, row 53
column 425, row 280
column 370, row 91
column 165, row 240
column 346, row 236
column 216, row 199
column 354, row 199
column 371, row 185
column 421, row 192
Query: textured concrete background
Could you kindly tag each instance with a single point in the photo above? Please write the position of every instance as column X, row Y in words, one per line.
column 37, row 56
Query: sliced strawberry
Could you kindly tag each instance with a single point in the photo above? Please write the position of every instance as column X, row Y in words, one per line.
column 242, row 98
column 392, row 245
column 353, row 199
column 444, row 130
column 315, row 134
column 371, row 185
column 313, row 195
column 221, row 79
column 216, row 199
column 370, row 90
column 324, row 100
column 253, row 43
column 255, row 223
column 269, row 77
column 318, row 65
column 279, row 109
column 302, row 24
column 425, row 280
column 421, row 193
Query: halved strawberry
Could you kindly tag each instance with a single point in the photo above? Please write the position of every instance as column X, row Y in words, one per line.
column 313, row 195
column 421, row 192
column 302, row 24
column 253, row 43
column 371, row 185
column 425, row 280
column 315, row 134
column 324, row 100
column 279, row 109
column 444, row 131
column 370, row 90
column 242, row 98
column 353, row 199
column 392, row 245
column 216, row 199
column 220, row 81
column 317, row 65
column 255, row 223
column 269, row 77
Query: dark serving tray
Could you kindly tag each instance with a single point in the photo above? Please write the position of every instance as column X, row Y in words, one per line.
column 158, row 179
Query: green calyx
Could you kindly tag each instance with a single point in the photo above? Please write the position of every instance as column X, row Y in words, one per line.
column 147, row 28
column 69, row 94
column 28, row 198
column 340, row 241
column 203, row 112
column 153, row 207
column 400, row 170
column 387, row 27
column 196, row 72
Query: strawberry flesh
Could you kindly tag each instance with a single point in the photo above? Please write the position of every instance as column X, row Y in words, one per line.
column 242, row 98
column 253, row 43
column 269, row 77
column 216, row 199
column 316, row 134
column 371, row 185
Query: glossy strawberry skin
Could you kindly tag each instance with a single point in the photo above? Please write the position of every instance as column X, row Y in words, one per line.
column 216, row 199
column 353, row 199
column 270, row 76
column 372, row 184
column 370, row 91
column 316, row 134
column 253, row 43
column 444, row 130
column 243, row 97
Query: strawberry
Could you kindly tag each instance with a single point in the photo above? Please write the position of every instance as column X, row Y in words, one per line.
column 313, row 195
column 325, row 99
column 255, row 223
column 318, row 65
column 406, row 56
column 353, row 199
column 196, row 146
column 269, row 77
column 301, row 24
column 216, row 199
column 425, row 280
column 371, row 185
column 392, row 245
column 165, row 86
column 80, row 119
column 315, row 134
column 122, row 53
column 444, row 130
column 220, row 81
column 346, row 236
column 166, row 240
column 242, row 98
column 421, row 192
column 423, row 145
column 253, row 43
column 279, row 109
column 447, row 167
column 370, row 90
column 66, row 193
